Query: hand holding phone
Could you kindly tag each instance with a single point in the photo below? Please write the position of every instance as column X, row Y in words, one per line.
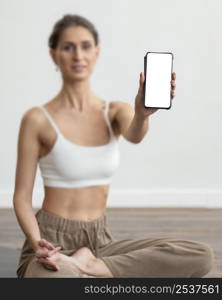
column 158, row 68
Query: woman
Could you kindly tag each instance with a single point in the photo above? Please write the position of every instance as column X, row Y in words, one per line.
column 74, row 138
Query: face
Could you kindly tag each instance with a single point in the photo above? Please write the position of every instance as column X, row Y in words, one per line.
column 76, row 53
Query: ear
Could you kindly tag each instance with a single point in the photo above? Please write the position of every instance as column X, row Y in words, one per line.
column 53, row 55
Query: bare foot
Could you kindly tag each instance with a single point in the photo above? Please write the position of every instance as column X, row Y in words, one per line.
column 82, row 262
column 78, row 261
column 57, row 260
column 90, row 264
column 83, row 258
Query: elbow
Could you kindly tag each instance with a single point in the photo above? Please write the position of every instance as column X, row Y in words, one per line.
column 20, row 200
column 137, row 140
column 133, row 140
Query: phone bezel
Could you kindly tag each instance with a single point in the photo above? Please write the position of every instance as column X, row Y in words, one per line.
column 144, row 86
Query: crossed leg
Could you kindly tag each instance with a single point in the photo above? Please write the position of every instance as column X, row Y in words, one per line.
column 163, row 257
column 132, row 258
column 82, row 263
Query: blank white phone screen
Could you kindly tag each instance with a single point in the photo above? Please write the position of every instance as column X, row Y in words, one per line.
column 158, row 77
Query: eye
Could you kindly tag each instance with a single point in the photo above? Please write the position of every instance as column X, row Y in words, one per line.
column 68, row 47
column 86, row 46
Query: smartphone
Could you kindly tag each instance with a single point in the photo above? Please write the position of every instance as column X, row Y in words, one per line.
column 158, row 68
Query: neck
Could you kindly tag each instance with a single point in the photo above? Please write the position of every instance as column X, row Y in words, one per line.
column 76, row 95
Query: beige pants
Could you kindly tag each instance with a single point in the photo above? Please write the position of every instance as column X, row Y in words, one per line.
column 161, row 257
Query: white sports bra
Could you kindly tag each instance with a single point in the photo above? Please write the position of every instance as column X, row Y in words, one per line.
column 71, row 165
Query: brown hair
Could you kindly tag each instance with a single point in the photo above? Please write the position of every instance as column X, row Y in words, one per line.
column 67, row 21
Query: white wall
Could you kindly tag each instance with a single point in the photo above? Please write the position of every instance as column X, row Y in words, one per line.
column 179, row 161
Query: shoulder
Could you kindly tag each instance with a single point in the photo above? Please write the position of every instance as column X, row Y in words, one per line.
column 32, row 118
column 121, row 107
column 120, row 104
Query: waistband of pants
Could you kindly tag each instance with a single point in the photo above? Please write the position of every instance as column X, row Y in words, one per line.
column 54, row 221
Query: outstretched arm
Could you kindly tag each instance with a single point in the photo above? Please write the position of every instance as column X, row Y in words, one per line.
column 134, row 124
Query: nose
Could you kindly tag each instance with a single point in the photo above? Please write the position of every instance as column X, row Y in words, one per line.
column 78, row 54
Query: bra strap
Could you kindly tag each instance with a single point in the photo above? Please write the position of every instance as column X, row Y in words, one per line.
column 106, row 114
column 50, row 119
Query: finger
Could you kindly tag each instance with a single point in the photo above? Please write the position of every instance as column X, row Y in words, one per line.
column 141, row 81
column 173, row 93
column 49, row 245
column 173, row 86
column 40, row 253
column 50, row 253
column 45, row 261
column 142, row 77
column 58, row 248
column 173, row 75
column 48, row 264
column 44, row 243
column 43, row 252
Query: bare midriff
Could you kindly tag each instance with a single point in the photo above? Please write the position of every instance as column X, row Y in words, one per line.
column 84, row 204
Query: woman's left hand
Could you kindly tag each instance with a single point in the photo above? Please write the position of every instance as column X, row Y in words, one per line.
column 139, row 101
column 46, row 249
column 44, row 252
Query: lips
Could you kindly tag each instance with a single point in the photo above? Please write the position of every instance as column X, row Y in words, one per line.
column 78, row 67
